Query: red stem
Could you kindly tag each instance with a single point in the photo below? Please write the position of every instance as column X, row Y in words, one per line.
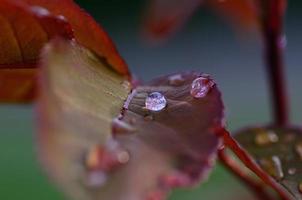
column 272, row 26
column 255, row 186
column 250, row 163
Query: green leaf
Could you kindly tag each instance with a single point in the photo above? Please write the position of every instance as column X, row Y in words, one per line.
column 278, row 151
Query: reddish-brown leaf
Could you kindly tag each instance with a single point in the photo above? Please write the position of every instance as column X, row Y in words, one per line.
column 18, row 80
column 22, row 34
column 94, row 149
column 87, row 31
column 164, row 17
column 26, row 25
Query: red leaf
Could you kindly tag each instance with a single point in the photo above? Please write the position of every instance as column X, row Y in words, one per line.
column 164, row 17
column 93, row 151
column 87, row 32
column 22, row 35
column 26, row 25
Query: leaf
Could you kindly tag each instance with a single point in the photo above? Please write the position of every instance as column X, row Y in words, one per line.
column 26, row 25
column 87, row 31
column 21, row 81
column 79, row 96
column 278, row 151
column 22, row 35
column 96, row 150
column 241, row 13
column 160, row 24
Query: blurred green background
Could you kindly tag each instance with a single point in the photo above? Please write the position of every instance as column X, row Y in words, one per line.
column 205, row 44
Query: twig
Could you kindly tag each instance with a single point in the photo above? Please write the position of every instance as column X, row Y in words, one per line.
column 272, row 31
column 255, row 186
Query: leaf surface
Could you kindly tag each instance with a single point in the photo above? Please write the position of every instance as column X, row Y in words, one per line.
column 278, row 151
column 94, row 149
column 79, row 95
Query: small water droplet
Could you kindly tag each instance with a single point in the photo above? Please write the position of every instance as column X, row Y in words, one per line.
column 201, row 86
column 96, row 179
column 123, row 157
column 298, row 149
column 300, row 187
column 273, row 167
column 264, row 138
column 155, row 101
column 121, row 127
column 291, row 171
column 176, row 80
column 39, row 11
column 61, row 17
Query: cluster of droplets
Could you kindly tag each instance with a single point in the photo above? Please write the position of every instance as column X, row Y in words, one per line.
column 273, row 165
column 200, row 87
column 100, row 161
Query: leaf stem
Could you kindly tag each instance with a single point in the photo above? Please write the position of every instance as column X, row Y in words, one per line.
column 272, row 30
column 255, row 186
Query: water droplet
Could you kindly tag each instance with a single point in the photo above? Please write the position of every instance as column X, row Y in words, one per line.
column 264, row 138
column 61, row 17
column 123, row 157
column 201, row 86
column 39, row 11
column 291, row 171
column 300, row 187
column 298, row 149
column 273, row 167
column 176, row 80
column 121, row 127
column 96, row 179
column 155, row 101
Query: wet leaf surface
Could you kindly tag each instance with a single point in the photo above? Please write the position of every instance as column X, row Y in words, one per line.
column 93, row 152
column 278, row 151
column 79, row 96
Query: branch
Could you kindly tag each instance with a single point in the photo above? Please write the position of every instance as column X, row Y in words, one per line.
column 255, row 186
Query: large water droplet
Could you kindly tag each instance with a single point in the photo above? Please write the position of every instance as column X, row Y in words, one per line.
column 273, row 167
column 201, row 86
column 264, row 138
column 298, row 149
column 155, row 101
column 176, row 80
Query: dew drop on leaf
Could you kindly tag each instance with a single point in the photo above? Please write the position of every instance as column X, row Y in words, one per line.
column 201, row 86
column 155, row 101
column 264, row 138
column 272, row 166
column 292, row 171
column 176, row 80
column 39, row 11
